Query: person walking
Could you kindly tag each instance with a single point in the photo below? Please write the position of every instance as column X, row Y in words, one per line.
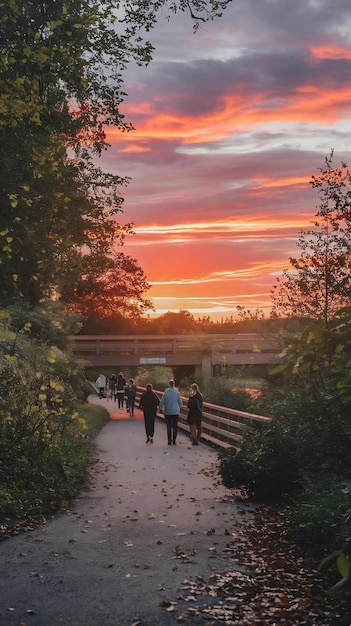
column 120, row 390
column 149, row 402
column 112, row 383
column 130, row 396
column 195, row 406
column 101, row 385
column 170, row 405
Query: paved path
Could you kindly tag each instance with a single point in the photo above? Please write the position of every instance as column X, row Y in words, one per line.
column 154, row 516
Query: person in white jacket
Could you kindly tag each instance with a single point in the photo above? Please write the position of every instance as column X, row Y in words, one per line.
column 170, row 404
column 101, row 382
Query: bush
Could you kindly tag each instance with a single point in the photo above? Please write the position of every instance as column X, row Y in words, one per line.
column 36, row 478
column 45, row 442
column 222, row 392
column 265, row 468
column 320, row 517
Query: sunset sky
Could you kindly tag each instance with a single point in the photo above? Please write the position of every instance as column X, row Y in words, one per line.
column 231, row 124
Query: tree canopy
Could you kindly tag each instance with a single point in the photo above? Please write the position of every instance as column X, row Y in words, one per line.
column 61, row 84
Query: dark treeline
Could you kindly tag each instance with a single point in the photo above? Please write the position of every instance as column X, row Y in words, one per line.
column 184, row 322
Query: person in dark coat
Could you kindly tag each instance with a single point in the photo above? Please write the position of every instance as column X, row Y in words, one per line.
column 131, row 390
column 195, row 404
column 120, row 390
column 149, row 403
column 112, row 384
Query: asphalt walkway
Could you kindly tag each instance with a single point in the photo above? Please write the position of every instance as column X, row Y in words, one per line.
column 154, row 518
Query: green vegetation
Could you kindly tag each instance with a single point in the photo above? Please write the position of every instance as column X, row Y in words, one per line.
column 46, row 427
column 301, row 458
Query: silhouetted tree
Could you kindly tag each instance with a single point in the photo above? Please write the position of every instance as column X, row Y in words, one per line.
column 320, row 280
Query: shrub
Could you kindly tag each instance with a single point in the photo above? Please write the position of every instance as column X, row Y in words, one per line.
column 43, row 453
column 320, row 516
column 222, row 392
column 265, row 468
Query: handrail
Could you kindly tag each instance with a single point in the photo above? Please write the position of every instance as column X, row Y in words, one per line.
column 247, row 342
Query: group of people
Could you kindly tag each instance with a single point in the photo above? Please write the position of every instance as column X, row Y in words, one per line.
column 170, row 405
column 117, row 389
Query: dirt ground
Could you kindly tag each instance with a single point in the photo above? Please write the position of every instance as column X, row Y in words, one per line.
column 154, row 518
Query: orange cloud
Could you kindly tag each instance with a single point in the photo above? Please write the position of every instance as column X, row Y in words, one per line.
column 255, row 224
column 135, row 148
column 234, row 114
column 331, row 52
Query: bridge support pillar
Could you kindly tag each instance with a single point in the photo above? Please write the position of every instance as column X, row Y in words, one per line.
column 205, row 370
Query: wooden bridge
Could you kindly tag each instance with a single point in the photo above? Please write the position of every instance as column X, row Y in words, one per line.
column 200, row 350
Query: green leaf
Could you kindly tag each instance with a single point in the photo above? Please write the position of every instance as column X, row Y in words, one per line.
column 343, row 565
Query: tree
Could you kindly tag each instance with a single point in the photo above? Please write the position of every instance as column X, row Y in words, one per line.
column 105, row 289
column 57, row 208
column 174, row 323
column 320, row 281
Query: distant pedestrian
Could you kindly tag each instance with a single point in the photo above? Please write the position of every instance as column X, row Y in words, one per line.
column 149, row 402
column 195, row 406
column 101, row 382
column 112, row 384
column 130, row 393
column 120, row 390
column 170, row 405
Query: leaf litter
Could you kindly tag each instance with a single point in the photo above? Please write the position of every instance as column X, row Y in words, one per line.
column 270, row 582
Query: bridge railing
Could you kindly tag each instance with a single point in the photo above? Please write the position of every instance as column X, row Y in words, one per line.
column 221, row 426
column 166, row 344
